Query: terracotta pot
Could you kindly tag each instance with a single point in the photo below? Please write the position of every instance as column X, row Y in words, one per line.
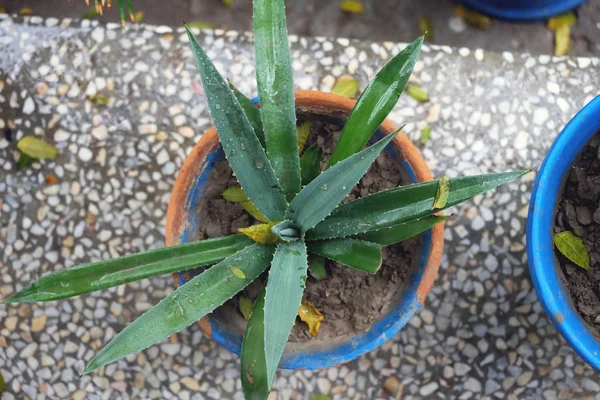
column 227, row 327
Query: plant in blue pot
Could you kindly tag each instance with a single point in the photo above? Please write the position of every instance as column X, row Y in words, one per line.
column 308, row 213
column 563, row 233
column 523, row 9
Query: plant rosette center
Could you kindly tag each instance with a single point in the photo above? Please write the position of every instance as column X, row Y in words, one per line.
column 286, row 231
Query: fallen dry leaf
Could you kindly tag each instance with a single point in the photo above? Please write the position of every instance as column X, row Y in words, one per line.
column 473, row 18
column 37, row 148
column 313, row 317
column 562, row 40
column 346, row 86
column 352, row 6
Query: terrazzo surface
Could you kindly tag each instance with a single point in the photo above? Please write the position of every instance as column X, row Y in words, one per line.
column 482, row 332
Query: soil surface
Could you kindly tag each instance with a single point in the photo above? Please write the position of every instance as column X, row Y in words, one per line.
column 579, row 212
column 350, row 300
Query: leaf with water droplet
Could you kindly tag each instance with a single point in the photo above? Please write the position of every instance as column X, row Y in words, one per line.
column 217, row 287
column 312, row 316
column 259, row 163
column 376, row 102
column 238, row 273
column 443, row 191
column 283, row 298
column 37, row 148
column 572, row 247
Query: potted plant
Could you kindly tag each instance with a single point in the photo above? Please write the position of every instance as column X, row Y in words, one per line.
column 561, row 240
column 298, row 196
column 523, row 9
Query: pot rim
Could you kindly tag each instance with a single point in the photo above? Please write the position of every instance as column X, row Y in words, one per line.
column 543, row 266
column 522, row 11
column 327, row 104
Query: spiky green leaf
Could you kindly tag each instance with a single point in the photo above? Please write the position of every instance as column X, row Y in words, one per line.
column 104, row 274
column 399, row 232
column 186, row 305
column 276, row 92
column 402, row 204
column 376, row 102
column 240, row 144
column 255, row 381
column 325, row 192
column 355, row 253
column 310, row 164
column 252, row 112
column 287, row 279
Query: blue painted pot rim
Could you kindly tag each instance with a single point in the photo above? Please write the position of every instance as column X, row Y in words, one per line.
column 347, row 349
column 523, row 10
column 543, row 265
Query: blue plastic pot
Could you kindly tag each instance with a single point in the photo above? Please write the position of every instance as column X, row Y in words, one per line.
column 226, row 324
column 543, row 265
column 523, row 9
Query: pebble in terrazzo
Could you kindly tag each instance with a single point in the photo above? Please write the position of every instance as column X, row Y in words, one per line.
column 481, row 333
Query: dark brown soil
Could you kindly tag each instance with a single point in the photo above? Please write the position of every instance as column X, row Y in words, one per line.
column 350, row 300
column 579, row 212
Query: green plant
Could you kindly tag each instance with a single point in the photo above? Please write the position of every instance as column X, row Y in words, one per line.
column 302, row 203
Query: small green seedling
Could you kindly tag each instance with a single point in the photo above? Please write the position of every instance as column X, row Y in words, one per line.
column 302, row 204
